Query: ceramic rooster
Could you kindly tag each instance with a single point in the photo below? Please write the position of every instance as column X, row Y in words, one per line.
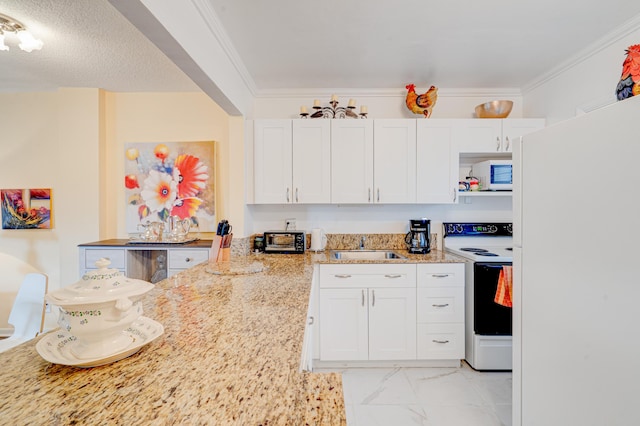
column 421, row 104
column 629, row 84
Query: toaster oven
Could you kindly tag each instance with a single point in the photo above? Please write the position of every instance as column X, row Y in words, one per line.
column 287, row 242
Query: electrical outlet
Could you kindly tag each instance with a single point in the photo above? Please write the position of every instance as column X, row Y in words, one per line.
column 47, row 308
column 290, row 224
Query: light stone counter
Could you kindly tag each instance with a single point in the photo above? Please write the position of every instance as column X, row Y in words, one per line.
column 229, row 356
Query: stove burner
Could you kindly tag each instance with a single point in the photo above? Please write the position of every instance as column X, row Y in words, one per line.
column 474, row 250
column 486, row 253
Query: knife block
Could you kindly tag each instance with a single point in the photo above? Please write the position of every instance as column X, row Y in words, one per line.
column 220, row 248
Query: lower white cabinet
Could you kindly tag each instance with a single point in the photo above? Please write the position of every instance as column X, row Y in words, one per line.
column 367, row 312
column 181, row 259
column 440, row 304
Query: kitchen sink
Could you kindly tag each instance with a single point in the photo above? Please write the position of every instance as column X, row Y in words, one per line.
column 365, row 255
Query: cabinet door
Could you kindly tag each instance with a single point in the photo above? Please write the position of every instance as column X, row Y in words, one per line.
column 394, row 161
column 351, row 161
column 272, row 161
column 392, row 323
column 343, row 324
column 437, row 162
column 516, row 127
column 311, row 161
column 478, row 135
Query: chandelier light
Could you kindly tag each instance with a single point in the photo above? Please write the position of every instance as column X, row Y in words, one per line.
column 27, row 43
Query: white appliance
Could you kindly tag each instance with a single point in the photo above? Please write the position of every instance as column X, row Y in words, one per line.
column 488, row 325
column 576, row 285
column 494, row 175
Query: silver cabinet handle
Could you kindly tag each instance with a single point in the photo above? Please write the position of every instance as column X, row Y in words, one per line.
column 508, row 144
column 455, row 194
column 296, row 195
column 378, row 195
column 287, row 195
column 373, row 298
column 440, row 341
column 342, row 276
column 439, row 275
column 188, row 259
column 362, row 297
column 310, row 321
column 497, row 143
column 440, row 306
column 393, row 276
column 369, row 199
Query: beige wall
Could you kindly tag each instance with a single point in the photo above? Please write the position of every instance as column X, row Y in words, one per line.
column 72, row 141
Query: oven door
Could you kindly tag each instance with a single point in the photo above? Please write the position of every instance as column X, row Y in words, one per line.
column 489, row 318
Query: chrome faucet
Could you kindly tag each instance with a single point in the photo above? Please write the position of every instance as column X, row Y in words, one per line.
column 362, row 240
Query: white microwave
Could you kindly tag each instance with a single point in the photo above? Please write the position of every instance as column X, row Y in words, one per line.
column 494, row 175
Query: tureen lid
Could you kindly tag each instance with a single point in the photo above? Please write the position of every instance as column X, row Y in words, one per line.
column 101, row 285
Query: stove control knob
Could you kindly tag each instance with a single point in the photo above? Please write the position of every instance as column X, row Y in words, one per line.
column 510, row 228
column 493, row 229
column 459, row 229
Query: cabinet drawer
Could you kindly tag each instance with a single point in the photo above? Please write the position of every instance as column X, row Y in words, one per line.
column 116, row 256
column 440, row 304
column 441, row 275
column 440, row 341
column 183, row 259
column 367, row 275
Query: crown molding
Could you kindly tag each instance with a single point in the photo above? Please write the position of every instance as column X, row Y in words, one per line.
column 612, row 37
column 382, row 93
column 210, row 17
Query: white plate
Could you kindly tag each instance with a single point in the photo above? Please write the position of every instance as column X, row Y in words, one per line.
column 56, row 347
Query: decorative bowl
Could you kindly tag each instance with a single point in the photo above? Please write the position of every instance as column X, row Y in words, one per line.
column 98, row 308
column 494, row 109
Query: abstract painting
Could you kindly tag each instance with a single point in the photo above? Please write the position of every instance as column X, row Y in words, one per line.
column 170, row 179
column 26, row 208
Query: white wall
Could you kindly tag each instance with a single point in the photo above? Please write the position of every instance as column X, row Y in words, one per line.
column 585, row 81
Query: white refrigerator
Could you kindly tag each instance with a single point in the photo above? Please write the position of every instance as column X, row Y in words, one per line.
column 576, row 312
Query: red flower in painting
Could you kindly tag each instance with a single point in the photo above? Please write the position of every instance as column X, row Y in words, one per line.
column 631, row 65
column 131, row 181
column 186, row 207
column 191, row 175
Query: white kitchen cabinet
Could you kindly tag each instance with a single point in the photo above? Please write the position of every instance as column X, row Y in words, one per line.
column 440, row 307
column 394, row 161
column 292, row 161
column 272, row 161
column 367, row 312
column 89, row 257
column 351, row 161
column 181, row 259
column 492, row 135
column 437, row 162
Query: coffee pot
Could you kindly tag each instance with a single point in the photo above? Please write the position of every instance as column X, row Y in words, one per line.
column 418, row 239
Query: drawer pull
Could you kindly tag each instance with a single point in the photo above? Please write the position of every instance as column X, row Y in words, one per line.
column 373, row 298
column 440, row 306
column 188, row 259
column 362, row 297
column 440, row 341
column 393, row 276
column 310, row 321
column 440, row 275
column 342, row 276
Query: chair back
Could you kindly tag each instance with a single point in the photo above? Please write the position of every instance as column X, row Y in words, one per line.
column 27, row 314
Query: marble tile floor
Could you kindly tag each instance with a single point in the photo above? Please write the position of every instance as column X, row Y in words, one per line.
column 427, row 397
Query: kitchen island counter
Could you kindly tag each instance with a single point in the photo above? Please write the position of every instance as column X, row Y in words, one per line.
column 230, row 355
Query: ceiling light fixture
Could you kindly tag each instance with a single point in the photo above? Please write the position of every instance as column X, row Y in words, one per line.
column 27, row 41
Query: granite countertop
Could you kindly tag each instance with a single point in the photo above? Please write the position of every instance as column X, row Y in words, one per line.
column 230, row 355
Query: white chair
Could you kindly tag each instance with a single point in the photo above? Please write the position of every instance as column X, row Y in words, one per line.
column 27, row 313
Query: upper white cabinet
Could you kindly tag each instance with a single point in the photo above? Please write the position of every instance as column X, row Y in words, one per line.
column 492, row 135
column 272, row 161
column 437, row 162
column 292, row 161
column 394, row 161
column 351, row 161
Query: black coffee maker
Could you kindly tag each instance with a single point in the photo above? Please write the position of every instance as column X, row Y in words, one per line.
column 419, row 236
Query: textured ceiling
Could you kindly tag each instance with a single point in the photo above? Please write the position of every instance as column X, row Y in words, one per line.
column 293, row 44
column 87, row 43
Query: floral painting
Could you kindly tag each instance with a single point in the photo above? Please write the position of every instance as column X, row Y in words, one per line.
column 26, row 208
column 170, row 179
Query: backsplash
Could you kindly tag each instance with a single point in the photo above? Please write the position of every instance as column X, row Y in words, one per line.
column 347, row 242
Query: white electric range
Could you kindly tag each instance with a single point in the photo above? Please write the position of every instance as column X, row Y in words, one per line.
column 488, row 325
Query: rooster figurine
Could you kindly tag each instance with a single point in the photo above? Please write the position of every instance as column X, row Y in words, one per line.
column 421, row 104
column 629, row 84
